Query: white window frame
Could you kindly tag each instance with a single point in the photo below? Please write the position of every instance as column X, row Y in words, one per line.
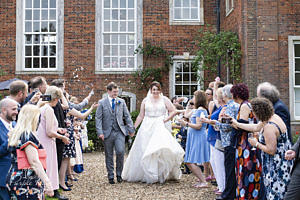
column 229, row 10
column 291, row 41
column 172, row 72
column 20, row 43
column 173, row 21
column 99, row 69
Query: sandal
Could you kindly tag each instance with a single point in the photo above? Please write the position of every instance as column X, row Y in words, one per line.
column 201, row 185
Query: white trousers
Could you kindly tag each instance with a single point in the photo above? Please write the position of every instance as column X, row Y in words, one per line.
column 217, row 164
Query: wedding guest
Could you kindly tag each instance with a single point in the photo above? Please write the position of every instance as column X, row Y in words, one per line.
column 38, row 86
column 197, row 148
column 248, row 166
column 8, row 114
column 27, row 183
column 18, row 91
column 269, row 91
column 293, row 190
column 273, row 143
column 48, row 131
column 182, row 135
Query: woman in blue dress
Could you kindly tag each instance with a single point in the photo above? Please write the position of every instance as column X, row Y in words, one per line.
column 197, row 147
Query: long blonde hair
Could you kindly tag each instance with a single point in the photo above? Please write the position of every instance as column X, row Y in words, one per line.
column 27, row 123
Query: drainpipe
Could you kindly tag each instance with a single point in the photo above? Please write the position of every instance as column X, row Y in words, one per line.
column 218, row 31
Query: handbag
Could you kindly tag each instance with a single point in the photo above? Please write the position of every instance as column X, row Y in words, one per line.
column 23, row 161
column 218, row 145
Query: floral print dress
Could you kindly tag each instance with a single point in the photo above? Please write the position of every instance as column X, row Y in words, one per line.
column 24, row 183
column 276, row 169
column 69, row 150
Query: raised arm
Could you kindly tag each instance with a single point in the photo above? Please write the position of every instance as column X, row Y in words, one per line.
column 171, row 109
column 80, row 115
column 141, row 115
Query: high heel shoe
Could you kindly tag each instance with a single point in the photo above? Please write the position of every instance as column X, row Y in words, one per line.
column 64, row 189
column 72, row 179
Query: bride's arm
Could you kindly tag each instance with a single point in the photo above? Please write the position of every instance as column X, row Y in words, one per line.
column 140, row 117
column 171, row 109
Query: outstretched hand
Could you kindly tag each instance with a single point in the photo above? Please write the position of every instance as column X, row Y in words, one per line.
column 132, row 134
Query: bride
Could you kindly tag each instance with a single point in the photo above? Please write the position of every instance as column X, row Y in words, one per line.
column 155, row 155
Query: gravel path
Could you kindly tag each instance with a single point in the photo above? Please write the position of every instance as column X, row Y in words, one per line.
column 93, row 184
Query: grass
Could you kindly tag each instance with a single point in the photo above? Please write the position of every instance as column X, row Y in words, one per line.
column 50, row 198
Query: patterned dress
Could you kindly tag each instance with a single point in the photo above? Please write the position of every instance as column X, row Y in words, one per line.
column 24, row 184
column 69, row 149
column 276, row 169
column 248, row 166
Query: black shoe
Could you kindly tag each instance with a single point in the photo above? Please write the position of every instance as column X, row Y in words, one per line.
column 219, row 198
column 111, row 181
column 65, row 189
column 68, row 184
column 119, row 179
column 58, row 196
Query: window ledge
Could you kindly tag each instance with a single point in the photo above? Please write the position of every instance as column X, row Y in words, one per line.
column 295, row 122
column 40, row 72
column 186, row 23
column 116, row 72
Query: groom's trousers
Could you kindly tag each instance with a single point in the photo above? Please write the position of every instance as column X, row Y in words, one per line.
column 116, row 140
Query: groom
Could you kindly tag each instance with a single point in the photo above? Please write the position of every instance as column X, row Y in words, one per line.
column 113, row 123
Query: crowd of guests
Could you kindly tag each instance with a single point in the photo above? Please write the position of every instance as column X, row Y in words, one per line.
column 42, row 126
column 244, row 145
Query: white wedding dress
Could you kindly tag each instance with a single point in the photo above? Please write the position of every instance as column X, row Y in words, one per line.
column 155, row 155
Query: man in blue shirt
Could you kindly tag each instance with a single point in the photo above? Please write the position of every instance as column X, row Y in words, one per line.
column 8, row 114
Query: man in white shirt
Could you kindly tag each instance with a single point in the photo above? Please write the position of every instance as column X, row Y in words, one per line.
column 8, row 114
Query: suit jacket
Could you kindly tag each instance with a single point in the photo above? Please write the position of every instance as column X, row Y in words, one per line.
column 296, row 149
column 105, row 114
column 5, row 160
column 283, row 112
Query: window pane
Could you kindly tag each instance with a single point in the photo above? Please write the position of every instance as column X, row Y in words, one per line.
column 194, row 3
column 52, row 39
column 36, row 39
column 36, row 62
column 115, row 3
column 114, row 39
column 44, row 27
column 52, row 15
column 297, row 79
column 107, row 26
column 194, row 78
column 130, row 62
column 130, row 26
column 178, row 78
column 114, row 62
column 36, row 50
column 186, row 67
column 106, row 50
column 130, row 39
column 186, row 78
column 178, row 67
column 115, row 15
column 122, row 39
column 297, row 94
column 44, row 3
column 44, row 39
column 130, row 3
column 106, row 14
column 297, row 64
column 52, row 50
column 114, row 50
column 130, row 14
column 28, row 26
column 114, row 27
column 193, row 89
column 36, row 15
column 123, row 62
column 28, row 62
column 130, row 50
column 186, row 90
column 52, row 63
column 52, row 3
column 123, row 26
column 28, row 51
column 186, row 3
column 36, row 27
column 52, row 27
column 44, row 62
column 297, row 109
column 177, row 13
column 178, row 3
column 36, row 3
column 297, row 50
column 186, row 13
column 122, row 3
column 44, row 14
column 28, row 15
column 178, row 90
column 106, row 39
column 122, row 14
column 122, row 50
column 106, row 3
column 44, row 50
column 28, row 39
column 194, row 13
column 106, row 63
column 28, row 4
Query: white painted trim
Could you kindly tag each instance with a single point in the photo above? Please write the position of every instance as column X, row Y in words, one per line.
column 200, row 21
column 129, row 94
column 20, row 41
column 228, row 11
column 291, row 40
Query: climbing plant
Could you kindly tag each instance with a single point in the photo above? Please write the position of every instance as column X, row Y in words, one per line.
column 146, row 72
column 224, row 46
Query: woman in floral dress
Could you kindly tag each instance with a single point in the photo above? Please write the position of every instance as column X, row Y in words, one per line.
column 273, row 143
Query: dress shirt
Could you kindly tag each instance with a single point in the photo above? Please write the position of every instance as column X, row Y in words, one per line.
column 8, row 126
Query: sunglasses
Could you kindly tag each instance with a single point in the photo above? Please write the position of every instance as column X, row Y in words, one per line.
column 192, row 103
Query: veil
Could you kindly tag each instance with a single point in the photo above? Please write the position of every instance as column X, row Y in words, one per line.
column 150, row 96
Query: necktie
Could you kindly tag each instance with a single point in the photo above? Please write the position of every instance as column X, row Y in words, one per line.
column 113, row 104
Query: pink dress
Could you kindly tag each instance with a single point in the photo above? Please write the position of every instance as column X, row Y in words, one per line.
column 49, row 124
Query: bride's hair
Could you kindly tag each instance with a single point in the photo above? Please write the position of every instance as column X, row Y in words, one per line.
column 156, row 84
column 200, row 99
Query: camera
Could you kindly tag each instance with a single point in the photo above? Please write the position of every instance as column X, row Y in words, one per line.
column 46, row 97
column 226, row 120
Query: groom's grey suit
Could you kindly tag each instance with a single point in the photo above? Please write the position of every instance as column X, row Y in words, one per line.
column 114, row 124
